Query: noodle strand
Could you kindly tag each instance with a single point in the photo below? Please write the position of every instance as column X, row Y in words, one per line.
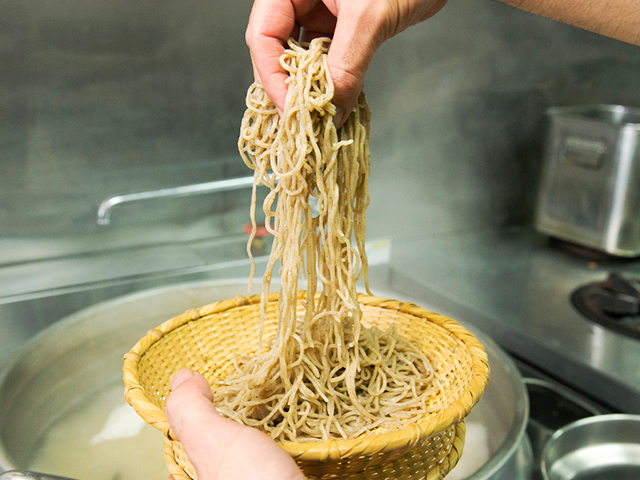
column 323, row 375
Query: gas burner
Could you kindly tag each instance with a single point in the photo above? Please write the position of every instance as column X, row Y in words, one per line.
column 613, row 303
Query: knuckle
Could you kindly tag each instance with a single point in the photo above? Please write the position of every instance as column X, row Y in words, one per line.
column 248, row 37
column 346, row 79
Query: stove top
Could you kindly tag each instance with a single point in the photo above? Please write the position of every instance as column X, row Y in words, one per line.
column 517, row 287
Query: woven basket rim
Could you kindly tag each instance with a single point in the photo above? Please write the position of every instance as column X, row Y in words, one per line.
column 334, row 449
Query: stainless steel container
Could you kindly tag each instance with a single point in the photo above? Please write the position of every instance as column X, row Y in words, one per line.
column 600, row 447
column 590, row 188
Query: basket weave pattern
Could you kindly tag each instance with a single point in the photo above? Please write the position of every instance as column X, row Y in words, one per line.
column 206, row 339
column 430, row 461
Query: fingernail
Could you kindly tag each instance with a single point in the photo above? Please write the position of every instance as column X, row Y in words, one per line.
column 180, row 377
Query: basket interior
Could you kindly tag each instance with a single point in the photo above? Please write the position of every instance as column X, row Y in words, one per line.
column 208, row 344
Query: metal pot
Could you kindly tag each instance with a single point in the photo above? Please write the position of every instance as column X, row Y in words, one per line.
column 79, row 357
column 504, row 412
column 599, row 447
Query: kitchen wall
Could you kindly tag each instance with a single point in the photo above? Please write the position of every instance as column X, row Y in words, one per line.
column 459, row 112
column 103, row 98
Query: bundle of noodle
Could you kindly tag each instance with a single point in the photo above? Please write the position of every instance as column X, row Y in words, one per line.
column 323, row 375
column 350, row 385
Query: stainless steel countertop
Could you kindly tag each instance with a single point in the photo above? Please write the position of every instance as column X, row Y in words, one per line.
column 515, row 286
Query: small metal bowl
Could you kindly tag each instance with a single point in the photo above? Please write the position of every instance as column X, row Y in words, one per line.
column 602, row 447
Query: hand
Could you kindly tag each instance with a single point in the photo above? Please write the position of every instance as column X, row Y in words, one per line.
column 358, row 28
column 219, row 448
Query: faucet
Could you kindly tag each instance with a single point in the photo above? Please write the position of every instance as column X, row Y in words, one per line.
column 25, row 475
column 104, row 211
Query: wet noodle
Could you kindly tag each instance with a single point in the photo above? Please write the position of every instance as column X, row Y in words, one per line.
column 324, row 375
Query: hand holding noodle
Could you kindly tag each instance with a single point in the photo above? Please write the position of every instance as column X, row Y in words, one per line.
column 221, row 449
column 358, row 28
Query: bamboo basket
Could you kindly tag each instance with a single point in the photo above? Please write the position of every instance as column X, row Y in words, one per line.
column 204, row 338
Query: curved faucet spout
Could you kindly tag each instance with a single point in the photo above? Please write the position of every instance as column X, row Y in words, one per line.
column 104, row 211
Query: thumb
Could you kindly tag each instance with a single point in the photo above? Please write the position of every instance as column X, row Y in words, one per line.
column 190, row 399
column 194, row 420
column 218, row 447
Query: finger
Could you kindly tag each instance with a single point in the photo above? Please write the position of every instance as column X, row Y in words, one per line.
column 357, row 37
column 199, row 382
column 218, row 447
column 268, row 70
column 190, row 402
column 256, row 75
column 194, row 419
column 197, row 425
column 271, row 23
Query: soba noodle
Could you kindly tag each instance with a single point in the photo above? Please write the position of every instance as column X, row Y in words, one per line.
column 324, row 375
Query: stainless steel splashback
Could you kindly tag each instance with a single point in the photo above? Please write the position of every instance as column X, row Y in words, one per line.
column 117, row 97
column 109, row 98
